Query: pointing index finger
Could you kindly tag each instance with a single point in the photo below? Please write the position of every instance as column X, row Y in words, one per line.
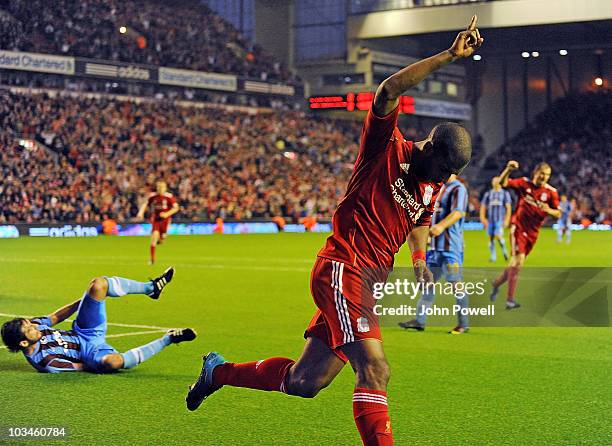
column 472, row 25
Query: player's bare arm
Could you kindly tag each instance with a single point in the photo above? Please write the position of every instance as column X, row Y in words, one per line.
column 555, row 213
column 508, row 214
column 504, row 176
column 483, row 215
column 171, row 212
column 142, row 210
column 389, row 91
column 446, row 223
column 64, row 313
column 417, row 242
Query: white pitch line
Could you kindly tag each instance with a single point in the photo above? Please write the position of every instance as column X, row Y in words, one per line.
column 134, row 333
column 114, row 324
column 152, row 327
column 111, row 261
column 306, row 261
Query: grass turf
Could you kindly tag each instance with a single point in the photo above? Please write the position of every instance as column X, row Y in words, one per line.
column 248, row 297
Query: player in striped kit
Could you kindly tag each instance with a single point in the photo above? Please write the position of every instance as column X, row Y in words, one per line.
column 564, row 224
column 445, row 256
column 84, row 347
column 495, row 212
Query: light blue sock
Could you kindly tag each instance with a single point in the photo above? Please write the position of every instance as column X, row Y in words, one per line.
column 463, row 303
column 135, row 356
column 502, row 243
column 424, row 303
column 559, row 235
column 568, row 236
column 492, row 253
column 119, row 286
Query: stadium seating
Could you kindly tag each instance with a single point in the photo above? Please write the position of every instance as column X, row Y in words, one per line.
column 103, row 155
column 220, row 164
column 184, row 34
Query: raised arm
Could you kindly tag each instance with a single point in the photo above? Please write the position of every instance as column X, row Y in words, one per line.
column 142, row 210
column 64, row 313
column 389, row 91
column 505, row 174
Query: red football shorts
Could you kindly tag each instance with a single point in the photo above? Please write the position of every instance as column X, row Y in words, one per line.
column 160, row 226
column 522, row 241
column 344, row 306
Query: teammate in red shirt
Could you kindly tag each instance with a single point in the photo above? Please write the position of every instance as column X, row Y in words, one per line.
column 163, row 207
column 536, row 200
column 389, row 200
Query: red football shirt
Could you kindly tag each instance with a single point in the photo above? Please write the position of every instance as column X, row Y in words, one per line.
column 159, row 203
column 528, row 215
column 384, row 200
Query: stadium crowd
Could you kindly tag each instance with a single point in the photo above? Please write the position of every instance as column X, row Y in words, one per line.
column 101, row 156
column 219, row 163
column 575, row 137
column 185, row 34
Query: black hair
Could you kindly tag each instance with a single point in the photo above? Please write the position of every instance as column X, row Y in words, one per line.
column 12, row 334
column 454, row 142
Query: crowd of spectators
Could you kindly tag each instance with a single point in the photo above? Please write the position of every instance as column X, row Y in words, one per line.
column 173, row 33
column 218, row 163
column 102, row 155
column 575, row 137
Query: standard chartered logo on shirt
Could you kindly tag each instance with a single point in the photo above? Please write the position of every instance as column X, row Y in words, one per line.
column 406, row 200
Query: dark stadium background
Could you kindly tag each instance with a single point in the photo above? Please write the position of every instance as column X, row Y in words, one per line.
column 251, row 111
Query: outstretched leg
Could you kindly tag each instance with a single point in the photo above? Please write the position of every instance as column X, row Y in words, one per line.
column 130, row 359
column 372, row 374
column 314, row 370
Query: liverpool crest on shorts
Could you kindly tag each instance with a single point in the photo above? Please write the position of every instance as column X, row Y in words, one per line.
column 362, row 325
column 427, row 195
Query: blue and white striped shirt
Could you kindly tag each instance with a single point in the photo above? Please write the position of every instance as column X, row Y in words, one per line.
column 453, row 197
column 496, row 201
column 57, row 350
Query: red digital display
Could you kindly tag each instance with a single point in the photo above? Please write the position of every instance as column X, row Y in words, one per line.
column 359, row 101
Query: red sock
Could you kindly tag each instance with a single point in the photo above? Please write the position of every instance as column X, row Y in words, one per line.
column 501, row 279
column 152, row 253
column 512, row 281
column 372, row 417
column 268, row 374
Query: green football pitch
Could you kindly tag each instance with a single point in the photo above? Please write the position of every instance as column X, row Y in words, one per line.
column 248, row 298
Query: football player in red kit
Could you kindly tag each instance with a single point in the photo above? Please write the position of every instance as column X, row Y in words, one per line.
column 389, row 200
column 536, row 200
column 163, row 207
